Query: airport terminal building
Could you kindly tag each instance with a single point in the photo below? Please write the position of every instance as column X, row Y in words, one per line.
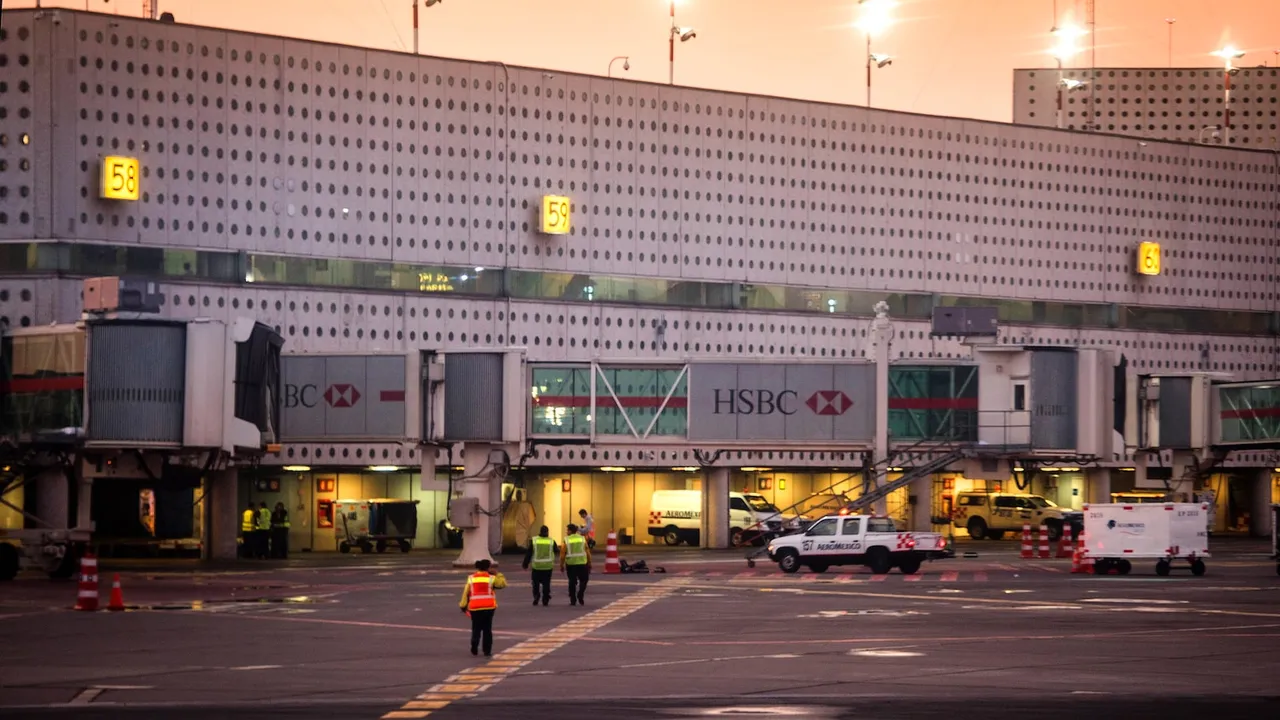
column 377, row 207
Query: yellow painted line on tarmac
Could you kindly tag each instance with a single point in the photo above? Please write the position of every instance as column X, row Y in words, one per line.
column 468, row 683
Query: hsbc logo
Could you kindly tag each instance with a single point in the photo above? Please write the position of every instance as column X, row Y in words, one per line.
column 746, row 401
column 829, row 402
column 341, row 395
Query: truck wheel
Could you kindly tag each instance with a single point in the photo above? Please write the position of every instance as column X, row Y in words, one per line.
column 67, row 566
column 381, row 546
column 1055, row 530
column 909, row 566
column 1197, row 567
column 977, row 528
column 735, row 537
column 878, row 560
column 366, row 547
column 344, row 547
column 1123, row 567
column 789, row 561
column 404, row 546
column 1162, row 568
column 818, row 567
column 671, row 535
column 9, row 561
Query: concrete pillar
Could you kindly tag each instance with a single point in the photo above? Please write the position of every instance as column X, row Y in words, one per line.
column 84, row 503
column 53, row 498
column 922, row 511
column 1260, row 504
column 715, row 508
column 481, row 483
column 221, row 515
column 882, row 336
column 1097, row 483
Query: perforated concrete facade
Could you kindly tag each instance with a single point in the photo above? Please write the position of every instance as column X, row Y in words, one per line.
column 1161, row 103
column 263, row 147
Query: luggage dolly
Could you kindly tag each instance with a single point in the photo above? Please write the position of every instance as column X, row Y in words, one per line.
column 755, row 553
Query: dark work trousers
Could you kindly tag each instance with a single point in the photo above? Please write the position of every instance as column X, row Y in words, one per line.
column 280, row 542
column 264, row 543
column 578, row 576
column 482, row 627
column 541, row 585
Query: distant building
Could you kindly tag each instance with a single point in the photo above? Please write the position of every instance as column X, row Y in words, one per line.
column 1183, row 104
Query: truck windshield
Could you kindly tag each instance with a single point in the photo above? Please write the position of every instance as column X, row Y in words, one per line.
column 1041, row 502
column 759, row 504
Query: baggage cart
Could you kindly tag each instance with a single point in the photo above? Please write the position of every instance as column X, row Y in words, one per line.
column 375, row 524
column 1116, row 534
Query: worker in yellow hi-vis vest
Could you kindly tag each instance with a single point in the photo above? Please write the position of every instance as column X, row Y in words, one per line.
column 480, row 602
column 248, row 532
column 575, row 561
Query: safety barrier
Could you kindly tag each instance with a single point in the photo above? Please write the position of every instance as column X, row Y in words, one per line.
column 1027, row 550
column 87, row 593
column 611, row 564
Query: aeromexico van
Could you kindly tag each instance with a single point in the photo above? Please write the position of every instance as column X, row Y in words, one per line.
column 676, row 517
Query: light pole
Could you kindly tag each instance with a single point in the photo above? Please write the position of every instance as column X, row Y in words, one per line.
column 626, row 63
column 427, row 3
column 1227, row 54
column 685, row 35
column 1064, row 50
column 874, row 19
column 1171, row 21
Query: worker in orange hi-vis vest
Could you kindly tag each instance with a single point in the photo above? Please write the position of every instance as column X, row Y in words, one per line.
column 480, row 602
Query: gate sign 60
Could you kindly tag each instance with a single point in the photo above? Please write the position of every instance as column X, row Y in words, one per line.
column 120, row 178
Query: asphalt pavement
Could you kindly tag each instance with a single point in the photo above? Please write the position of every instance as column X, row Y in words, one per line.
column 381, row 636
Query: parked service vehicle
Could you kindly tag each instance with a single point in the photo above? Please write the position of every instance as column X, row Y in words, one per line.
column 1117, row 534
column 676, row 517
column 856, row 540
column 815, row 507
column 991, row 515
column 376, row 524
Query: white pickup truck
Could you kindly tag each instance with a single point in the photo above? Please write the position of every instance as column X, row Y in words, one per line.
column 856, row 540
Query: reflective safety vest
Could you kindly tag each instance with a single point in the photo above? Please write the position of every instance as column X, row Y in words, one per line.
column 543, row 555
column 264, row 519
column 247, row 520
column 482, row 596
column 575, row 550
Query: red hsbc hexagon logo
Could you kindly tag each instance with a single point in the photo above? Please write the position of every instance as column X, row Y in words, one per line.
column 342, row 395
column 829, row 402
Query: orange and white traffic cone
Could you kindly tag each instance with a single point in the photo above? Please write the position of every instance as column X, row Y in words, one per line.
column 1081, row 563
column 1026, row 542
column 87, row 594
column 611, row 564
column 116, row 603
column 1044, row 541
column 1064, row 543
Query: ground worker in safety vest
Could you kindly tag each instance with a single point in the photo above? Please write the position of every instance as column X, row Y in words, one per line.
column 264, row 531
column 248, row 532
column 480, row 602
column 542, row 556
column 280, row 532
column 575, row 561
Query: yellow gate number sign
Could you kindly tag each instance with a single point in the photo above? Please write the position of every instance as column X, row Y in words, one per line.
column 1149, row 258
column 555, row 215
column 120, row 177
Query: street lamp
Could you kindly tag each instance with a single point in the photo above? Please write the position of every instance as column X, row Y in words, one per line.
column 874, row 20
column 1067, row 47
column 1214, row 128
column 1227, row 54
column 626, row 63
column 427, row 3
column 685, row 34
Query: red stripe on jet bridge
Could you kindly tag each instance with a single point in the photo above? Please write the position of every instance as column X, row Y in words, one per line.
column 933, row 403
column 1250, row 413
column 391, row 396
column 582, row 401
column 49, row 384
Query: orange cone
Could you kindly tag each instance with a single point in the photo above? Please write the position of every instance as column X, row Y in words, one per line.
column 611, row 564
column 1064, row 542
column 1026, row 542
column 117, row 598
column 87, row 594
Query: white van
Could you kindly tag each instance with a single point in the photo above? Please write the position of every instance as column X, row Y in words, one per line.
column 676, row 516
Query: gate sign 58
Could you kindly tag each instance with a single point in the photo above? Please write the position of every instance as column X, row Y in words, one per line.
column 120, row 176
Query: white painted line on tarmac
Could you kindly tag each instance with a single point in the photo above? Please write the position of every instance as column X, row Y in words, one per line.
column 124, row 687
column 885, row 653
column 257, row 667
column 1134, row 601
column 86, row 696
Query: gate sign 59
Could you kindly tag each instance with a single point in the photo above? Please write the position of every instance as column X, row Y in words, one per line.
column 555, row 215
column 120, row 176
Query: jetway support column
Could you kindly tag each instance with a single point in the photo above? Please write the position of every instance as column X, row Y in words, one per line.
column 484, row 483
column 715, row 508
column 922, row 511
column 53, row 498
column 1260, row 510
column 1097, row 484
column 221, row 515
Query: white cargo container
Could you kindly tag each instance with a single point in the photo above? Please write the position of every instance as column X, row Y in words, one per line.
column 1116, row 534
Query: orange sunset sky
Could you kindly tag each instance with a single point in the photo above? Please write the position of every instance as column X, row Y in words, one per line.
column 951, row 57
